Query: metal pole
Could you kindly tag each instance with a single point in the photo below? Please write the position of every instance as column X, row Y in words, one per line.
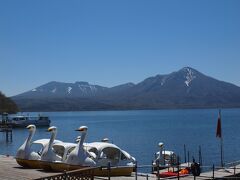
column 11, row 135
column 221, row 151
column 109, row 169
column 199, row 156
column 164, row 163
column 178, row 167
column 213, row 172
column 6, row 135
column 185, row 156
column 188, row 158
column 152, row 167
column 234, row 170
column 221, row 136
column 147, row 177
column 136, row 170
column 65, row 175
column 158, row 174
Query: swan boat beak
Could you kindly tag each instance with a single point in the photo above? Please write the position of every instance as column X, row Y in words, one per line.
column 82, row 128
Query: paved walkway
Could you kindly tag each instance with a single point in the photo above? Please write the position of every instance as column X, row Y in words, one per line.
column 10, row 170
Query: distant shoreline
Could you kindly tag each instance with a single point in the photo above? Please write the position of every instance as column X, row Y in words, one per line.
column 118, row 110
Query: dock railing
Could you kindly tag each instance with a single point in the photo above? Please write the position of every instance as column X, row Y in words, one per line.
column 229, row 171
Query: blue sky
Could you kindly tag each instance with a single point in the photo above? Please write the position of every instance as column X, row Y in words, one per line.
column 110, row 42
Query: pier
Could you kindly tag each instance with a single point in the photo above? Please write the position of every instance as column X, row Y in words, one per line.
column 9, row 169
column 7, row 129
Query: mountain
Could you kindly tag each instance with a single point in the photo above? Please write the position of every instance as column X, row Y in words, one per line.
column 63, row 90
column 7, row 105
column 186, row 88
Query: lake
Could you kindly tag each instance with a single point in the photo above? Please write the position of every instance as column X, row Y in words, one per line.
column 139, row 132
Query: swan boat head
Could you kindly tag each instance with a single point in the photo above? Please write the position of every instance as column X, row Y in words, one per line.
column 24, row 152
column 82, row 129
column 160, row 157
column 79, row 156
column 48, row 154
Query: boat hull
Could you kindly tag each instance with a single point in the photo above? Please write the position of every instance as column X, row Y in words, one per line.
column 115, row 171
column 60, row 167
column 74, row 167
column 45, row 165
column 33, row 164
column 25, row 124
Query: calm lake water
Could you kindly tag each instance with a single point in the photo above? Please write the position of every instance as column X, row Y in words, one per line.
column 139, row 132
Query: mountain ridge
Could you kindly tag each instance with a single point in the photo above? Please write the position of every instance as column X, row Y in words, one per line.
column 185, row 88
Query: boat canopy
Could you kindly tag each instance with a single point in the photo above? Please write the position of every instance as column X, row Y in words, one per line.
column 108, row 152
column 44, row 142
column 101, row 145
column 63, row 149
column 169, row 156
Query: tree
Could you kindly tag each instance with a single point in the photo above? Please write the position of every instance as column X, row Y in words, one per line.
column 7, row 105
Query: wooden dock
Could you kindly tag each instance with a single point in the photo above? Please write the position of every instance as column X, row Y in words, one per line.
column 10, row 170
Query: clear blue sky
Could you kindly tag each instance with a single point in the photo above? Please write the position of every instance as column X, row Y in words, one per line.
column 109, row 42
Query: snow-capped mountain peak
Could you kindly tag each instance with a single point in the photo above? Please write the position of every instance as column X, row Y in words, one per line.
column 190, row 76
column 69, row 89
column 54, row 90
column 85, row 87
column 163, row 80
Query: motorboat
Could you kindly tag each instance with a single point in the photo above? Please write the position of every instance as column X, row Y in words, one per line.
column 22, row 121
column 25, row 120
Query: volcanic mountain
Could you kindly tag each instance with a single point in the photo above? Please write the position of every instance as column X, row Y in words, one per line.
column 186, row 88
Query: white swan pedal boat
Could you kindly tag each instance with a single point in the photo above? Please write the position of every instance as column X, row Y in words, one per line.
column 122, row 163
column 56, row 155
column 26, row 156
